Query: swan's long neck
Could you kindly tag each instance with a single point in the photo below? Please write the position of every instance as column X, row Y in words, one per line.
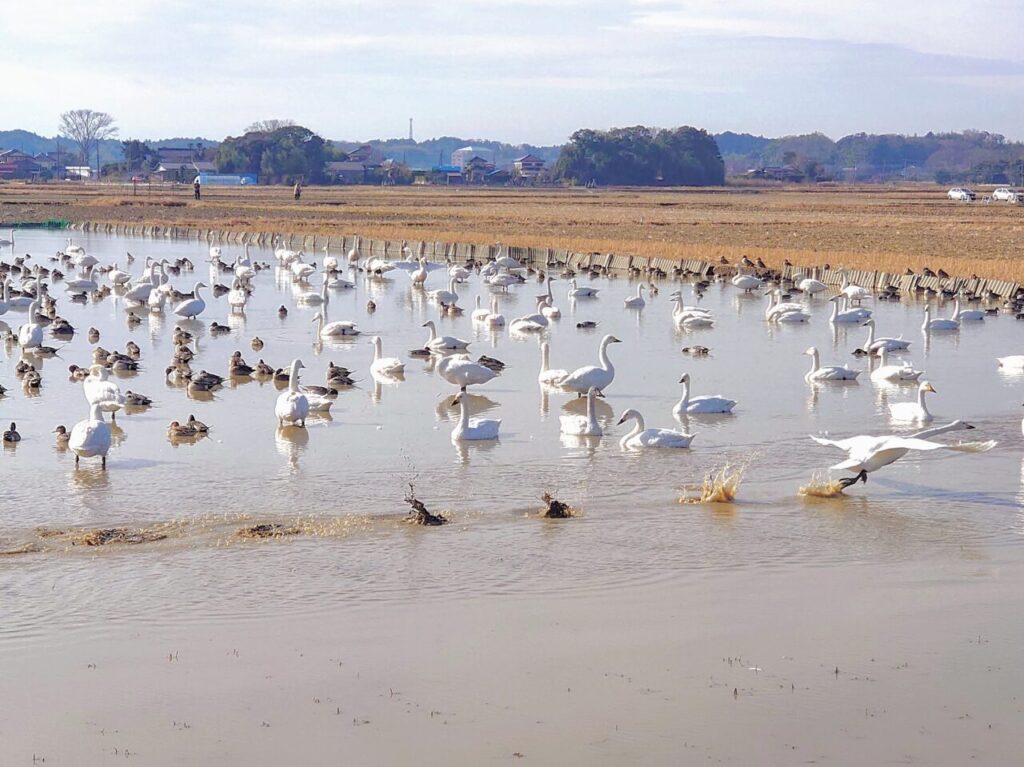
column 936, row 431
column 494, row 305
column 463, row 414
column 956, row 309
column 544, row 352
column 197, row 288
column 377, row 347
column 871, row 336
column 640, row 425
column 639, row 290
column 835, row 311
column 550, row 297
column 430, row 329
column 815, row 362
column 293, row 379
column 920, row 400
column 927, row 317
column 603, row 356
column 685, row 399
column 883, row 357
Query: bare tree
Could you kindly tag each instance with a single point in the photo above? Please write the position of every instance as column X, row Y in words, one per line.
column 269, row 126
column 87, row 128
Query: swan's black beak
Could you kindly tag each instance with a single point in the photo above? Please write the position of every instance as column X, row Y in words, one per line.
column 968, row 426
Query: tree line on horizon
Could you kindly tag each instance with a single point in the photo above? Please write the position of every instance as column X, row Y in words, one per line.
column 280, row 150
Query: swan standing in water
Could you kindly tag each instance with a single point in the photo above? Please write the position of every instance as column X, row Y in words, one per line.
column 292, row 406
column 461, row 371
column 549, row 376
column 495, row 319
column 913, row 411
column 828, row 372
column 855, row 293
column 641, row 437
column 91, row 438
column 867, row 453
column 704, row 404
column 436, row 343
column 583, row 425
column 385, row 366
column 599, row 376
column 192, row 307
column 473, row 428
column 479, row 313
column 811, row 286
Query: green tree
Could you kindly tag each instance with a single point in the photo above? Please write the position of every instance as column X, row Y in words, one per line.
column 137, row 155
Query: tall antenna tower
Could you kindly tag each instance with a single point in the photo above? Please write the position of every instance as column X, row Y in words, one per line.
column 410, row 129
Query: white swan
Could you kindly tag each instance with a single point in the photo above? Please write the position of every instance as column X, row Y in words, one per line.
column 385, row 366
column 101, row 391
column 337, row 329
column 893, row 373
column 939, row 323
column 73, row 250
column 549, row 310
column 637, row 301
column 789, row 311
column 866, row 453
column 1013, row 362
column 585, row 292
column 599, row 376
column 828, row 372
column 30, row 334
column 811, row 286
column 475, row 428
column 292, row 406
column 330, row 262
column 91, row 438
column 4, row 243
column 436, row 343
column 689, row 317
column 549, row 376
column 479, row 314
column 85, row 282
column 583, row 425
column 857, row 314
column 641, row 437
column 916, row 411
column 746, row 282
column 444, row 297
column 495, row 319
column 889, row 344
column 461, row 371
column 5, row 296
column 301, row 271
column 237, row 296
column 118, row 277
column 192, row 307
column 966, row 315
column 852, row 291
column 688, row 405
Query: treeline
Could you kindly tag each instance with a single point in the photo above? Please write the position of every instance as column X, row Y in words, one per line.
column 641, row 156
column 967, row 156
column 281, row 154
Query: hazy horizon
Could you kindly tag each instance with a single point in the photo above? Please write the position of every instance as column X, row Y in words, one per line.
column 520, row 71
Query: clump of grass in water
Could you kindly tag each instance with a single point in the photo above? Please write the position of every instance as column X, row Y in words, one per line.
column 821, row 486
column 719, row 486
column 267, row 530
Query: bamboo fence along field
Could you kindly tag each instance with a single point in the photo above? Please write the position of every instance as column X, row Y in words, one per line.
column 871, row 228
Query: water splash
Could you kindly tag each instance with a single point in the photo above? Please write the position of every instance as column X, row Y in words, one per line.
column 719, row 486
column 821, row 486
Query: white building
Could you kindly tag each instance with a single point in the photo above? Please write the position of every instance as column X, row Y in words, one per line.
column 461, row 156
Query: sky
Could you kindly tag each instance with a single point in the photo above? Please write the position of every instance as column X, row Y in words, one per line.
column 521, row 71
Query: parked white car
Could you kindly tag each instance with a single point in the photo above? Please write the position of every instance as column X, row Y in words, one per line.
column 1007, row 194
column 961, row 193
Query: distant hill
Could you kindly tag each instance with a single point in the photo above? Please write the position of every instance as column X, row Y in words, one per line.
column 438, row 151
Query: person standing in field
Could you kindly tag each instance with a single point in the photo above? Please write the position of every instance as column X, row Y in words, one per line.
column 298, row 190
column 195, row 187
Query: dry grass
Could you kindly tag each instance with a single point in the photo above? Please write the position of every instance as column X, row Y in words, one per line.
column 875, row 228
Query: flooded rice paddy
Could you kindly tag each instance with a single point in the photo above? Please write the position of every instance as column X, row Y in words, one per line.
column 635, row 579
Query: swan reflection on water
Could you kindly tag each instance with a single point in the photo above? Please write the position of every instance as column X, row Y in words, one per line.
column 291, row 442
column 447, row 409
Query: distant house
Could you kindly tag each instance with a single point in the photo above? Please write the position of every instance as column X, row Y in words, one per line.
column 777, row 173
column 175, row 154
column 346, row 172
column 476, row 169
column 499, row 176
column 16, row 164
column 182, row 172
column 446, row 175
column 460, row 157
column 528, row 167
